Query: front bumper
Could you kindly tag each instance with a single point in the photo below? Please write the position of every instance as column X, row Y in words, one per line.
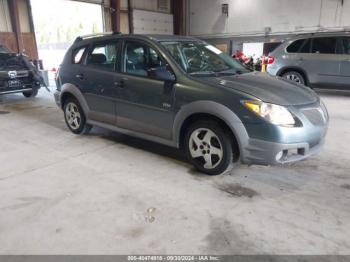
column 268, row 153
column 273, row 145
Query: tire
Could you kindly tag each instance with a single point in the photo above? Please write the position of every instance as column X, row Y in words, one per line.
column 295, row 77
column 209, row 147
column 32, row 93
column 75, row 117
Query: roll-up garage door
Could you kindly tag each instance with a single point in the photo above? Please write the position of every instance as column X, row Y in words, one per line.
column 99, row 2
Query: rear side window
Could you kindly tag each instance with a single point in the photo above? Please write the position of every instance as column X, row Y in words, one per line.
column 78, row 55
column 104, row 56
column 295, row 46
column 346, row 44
column 139, row 59
column 324, row 45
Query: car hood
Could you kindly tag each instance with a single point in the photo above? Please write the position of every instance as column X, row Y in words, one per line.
column 266, row 88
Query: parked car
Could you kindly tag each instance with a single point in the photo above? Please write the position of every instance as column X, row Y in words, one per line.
column 18, row 74
column 319, row 60
column 185, row 93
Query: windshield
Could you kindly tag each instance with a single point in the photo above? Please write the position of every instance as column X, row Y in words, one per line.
column 201, row 58
column 3, row 49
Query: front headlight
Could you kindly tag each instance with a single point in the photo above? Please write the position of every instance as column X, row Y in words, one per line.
column 275, row 114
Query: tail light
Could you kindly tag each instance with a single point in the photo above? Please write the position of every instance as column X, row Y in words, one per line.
column 270, row 60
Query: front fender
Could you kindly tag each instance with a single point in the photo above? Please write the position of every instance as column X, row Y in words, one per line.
column 218, row 110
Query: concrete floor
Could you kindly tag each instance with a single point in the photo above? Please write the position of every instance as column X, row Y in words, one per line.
column 106, row 193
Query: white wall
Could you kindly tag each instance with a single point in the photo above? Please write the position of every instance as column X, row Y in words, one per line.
column 152, row 5
column 147, row 22
column 250, row 17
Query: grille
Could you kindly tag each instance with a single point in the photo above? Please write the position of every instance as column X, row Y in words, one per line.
column 315, row 115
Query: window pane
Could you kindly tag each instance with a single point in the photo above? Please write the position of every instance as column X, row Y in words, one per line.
column 295, row 46
column 306, row 47
column 104, row 56
column 196, row 57
column 174, row 50
column 325, row 45
column 78, row 55
column 140, row 58
column 346, row 42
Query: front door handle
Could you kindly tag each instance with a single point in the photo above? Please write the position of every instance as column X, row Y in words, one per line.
column 80, row 76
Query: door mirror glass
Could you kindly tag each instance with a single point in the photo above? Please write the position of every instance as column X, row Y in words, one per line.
column 161, row 73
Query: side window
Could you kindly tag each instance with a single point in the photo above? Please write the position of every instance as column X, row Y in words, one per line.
column 346, row 44
column 306, row 48
column 140, row 58
column 78, row 55
column 104, row 56
column 175, row 52
column 295, row 46
column 324, row 45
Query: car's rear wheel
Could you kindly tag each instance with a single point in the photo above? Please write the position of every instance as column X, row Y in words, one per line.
column 209, row 147
column 295, row 77
column 32, row 93
column 75, row 117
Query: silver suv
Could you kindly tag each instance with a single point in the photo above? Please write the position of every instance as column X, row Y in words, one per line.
column 319, row 60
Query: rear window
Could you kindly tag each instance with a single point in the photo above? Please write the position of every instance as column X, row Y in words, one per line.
column 324, row 45
column 295, row 46
column 78, row 55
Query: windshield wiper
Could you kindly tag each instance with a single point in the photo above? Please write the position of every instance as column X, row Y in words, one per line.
column 226, row 73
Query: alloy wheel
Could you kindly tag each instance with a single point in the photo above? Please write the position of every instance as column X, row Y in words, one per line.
column 295, row 78
column 73, row 116
column 205, row 146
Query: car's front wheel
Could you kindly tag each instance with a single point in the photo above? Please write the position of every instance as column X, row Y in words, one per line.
column 75, row 117
column 295, row 77
column 209, row 147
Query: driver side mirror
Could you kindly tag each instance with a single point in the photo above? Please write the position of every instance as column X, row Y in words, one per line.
column 162, row 73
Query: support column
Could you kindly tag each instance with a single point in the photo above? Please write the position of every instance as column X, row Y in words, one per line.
column 178, row 7
column 115, row 15
column 13, row 6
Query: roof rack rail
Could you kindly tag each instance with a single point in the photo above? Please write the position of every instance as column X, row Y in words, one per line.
column 83, row 37
column 345, row 30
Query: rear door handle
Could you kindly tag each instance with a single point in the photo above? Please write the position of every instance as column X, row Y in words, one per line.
column 80, row 76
